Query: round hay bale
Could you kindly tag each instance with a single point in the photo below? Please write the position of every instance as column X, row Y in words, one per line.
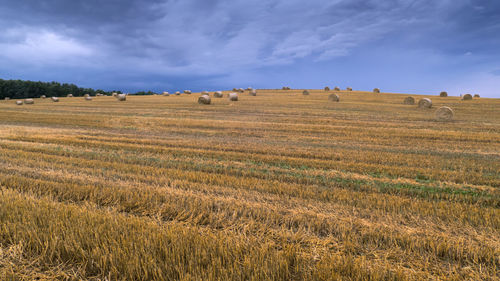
column 253, row 93
column 444, row 113
column 349, row 89
column 218, row 94
column 443, row 94
column 476, row 96
column 205, row 99
column 409, row 101
column 6, row 98
column 376, row 90
column 425, row 103
column 305, row 92
column 121, row 97
column 233, row 96
column 114, row 94
column 467, row 97
column 43, row 96
column 249, row 89
column 235, row 90
column 177, row 93
column 336, row 89
column 19, row 102
column 188, row 92
column 241, row 90
column 86, row 95
column 327, row 89
column 286, row 88
column 165, row 94
column 88, row 98
column 29, row 101
column 205, row 93
column 334, row 97
column 70, row 95
column 54, row 99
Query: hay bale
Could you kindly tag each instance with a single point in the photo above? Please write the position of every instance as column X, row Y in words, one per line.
column 69, row 95
column 19, row 102
column 241, row 90
column 348, row 89
column 409, row 101
column 253, row 93
column 334, row 97
column 286, row 88
column 467, row 97
column 233, row 96
column 86, row 95
column 249, row 89
column 336, row 89
column 205, row 93
column 425, row 103
column 121, row 97
column 205, row 99
column 6, row 98
column 327, row 89
column 114, row 94
column 43, row 96
column 29, row 101
column 218, row 94
column 177, row 93
column 187, row 92
column 165, row 94
column 235, row 90
column 376, row 90
column 88, row 98
column 476, row 96
column 443, row 94
column 305, row 92
column 54, row 99
column 444, row 113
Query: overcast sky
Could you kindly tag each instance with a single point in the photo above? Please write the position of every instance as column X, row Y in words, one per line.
column 420, row 46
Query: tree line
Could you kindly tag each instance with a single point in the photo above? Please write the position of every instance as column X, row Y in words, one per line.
column 20, row 89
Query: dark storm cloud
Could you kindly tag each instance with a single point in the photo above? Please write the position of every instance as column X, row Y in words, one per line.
column 221, row 43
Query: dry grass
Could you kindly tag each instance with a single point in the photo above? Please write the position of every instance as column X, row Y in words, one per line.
column 272, row 187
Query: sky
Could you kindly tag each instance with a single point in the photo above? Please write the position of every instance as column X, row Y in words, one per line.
column 403, row 46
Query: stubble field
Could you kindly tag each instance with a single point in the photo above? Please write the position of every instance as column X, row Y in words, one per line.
column 279, row 186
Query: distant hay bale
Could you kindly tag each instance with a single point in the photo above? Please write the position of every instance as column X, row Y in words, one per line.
column 29, row 101
column 253, row 93
column 69, row 95
column 177, row 93
column 235, row 90
column 54, row 99
column 249, row 89
column 205, row 93
column 217, row 94
column 476, row 96
column 443, row 94
column 305, row 92
column 86, row 95
column 6, row 98
column 43, row 96
column 409, row 101
column 348, row 89
column 165, row 94
column 233, row 96
column 425, row 103
column 336, row 89
column 376, row 90
column 444, row 113
column 88, row 98
column 205, row 99
column 241, row 90
column 467, row 97
column 334, row 97
column 327, row 89
column 121, row 97
column 19, row 102
column 188, row 92
column 286, row 88
column 114, row 94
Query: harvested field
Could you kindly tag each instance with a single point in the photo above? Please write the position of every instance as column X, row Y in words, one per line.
column 277, row 186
